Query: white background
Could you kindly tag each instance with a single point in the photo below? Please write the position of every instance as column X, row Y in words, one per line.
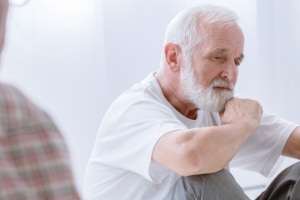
column 73, row 57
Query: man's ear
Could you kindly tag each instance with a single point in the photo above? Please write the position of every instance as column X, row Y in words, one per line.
column 173, row 56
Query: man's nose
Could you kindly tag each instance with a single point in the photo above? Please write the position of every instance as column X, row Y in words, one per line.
column 230, row 72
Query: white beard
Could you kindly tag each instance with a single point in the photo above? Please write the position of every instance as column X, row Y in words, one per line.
column 205, row 98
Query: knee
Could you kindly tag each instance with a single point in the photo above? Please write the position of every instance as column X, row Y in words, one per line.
column 296, row 167
column 193, row 186
column 223, row 174
column 196, row 183
column 206, row 186
column 293, row 170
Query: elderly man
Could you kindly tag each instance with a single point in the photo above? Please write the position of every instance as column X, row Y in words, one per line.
column 175, row 134
column 34, row 160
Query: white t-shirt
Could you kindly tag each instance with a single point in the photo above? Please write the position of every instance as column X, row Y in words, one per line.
column 120, row 166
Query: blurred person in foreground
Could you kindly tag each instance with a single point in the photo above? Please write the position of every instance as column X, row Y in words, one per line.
column 176, row 134
column 34, row 160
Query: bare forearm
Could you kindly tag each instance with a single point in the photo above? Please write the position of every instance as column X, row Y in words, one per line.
column 218, row 145
column 209, row 149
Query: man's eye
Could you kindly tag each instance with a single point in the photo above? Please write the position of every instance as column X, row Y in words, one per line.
column 218, row 58
column 237, row 62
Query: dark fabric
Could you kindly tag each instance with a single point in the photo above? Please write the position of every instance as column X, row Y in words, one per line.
column 286, row 186
column 216, row 186
column 222, row 186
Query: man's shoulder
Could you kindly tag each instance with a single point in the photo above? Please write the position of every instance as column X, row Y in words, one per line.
column 147, row 88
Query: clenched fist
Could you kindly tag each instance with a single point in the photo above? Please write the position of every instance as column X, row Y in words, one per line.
column 246, row 111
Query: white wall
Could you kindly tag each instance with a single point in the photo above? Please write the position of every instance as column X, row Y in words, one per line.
column 53, row 53
column 73, row 57
column 279, row 50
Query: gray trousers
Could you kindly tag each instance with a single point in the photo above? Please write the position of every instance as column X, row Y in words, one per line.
column 222, row 186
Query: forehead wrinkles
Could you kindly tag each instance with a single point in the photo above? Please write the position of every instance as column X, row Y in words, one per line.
column 221, row 39
column 221, row 51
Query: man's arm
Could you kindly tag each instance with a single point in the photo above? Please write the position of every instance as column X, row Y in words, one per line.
column 209, row 149
column 292, row 146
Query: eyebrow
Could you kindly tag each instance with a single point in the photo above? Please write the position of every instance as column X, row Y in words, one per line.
column 223, row 50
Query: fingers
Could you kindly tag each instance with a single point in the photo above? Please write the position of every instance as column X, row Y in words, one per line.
column 238, row 109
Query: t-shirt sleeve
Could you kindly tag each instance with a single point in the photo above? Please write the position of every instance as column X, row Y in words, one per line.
column 262, row 152
column 129, row 132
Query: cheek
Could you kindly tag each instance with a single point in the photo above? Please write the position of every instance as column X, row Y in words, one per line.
column 206, row 76
column 236, row 76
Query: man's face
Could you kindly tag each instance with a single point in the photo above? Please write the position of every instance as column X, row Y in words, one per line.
column 209, row 77
column 3, row 15
column 205, row 98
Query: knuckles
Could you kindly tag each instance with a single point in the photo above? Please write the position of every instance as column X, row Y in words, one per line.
column 238, row 108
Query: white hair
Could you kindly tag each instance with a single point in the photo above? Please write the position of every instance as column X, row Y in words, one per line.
column 184, row 28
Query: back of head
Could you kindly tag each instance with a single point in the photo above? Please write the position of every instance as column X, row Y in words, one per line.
column 185, row 28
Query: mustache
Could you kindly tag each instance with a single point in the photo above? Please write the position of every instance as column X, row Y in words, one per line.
column 223, row 84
